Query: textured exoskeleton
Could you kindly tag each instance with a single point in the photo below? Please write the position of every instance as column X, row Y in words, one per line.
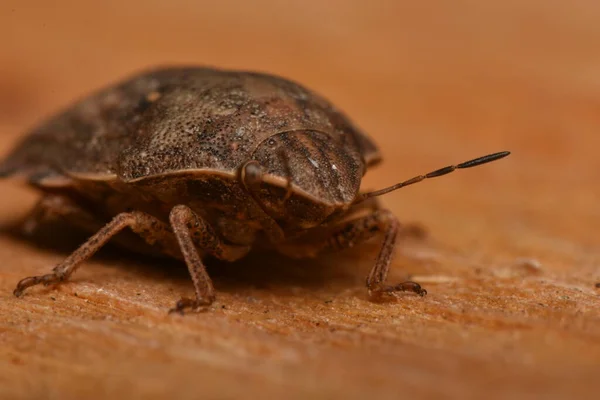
column 201, row 161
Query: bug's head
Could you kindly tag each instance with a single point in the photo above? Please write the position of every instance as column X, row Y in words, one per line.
column 301, row 177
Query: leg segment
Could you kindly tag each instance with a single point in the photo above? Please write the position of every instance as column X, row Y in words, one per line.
column 356, row 231
column 191, row 231
column 187, row 233
column 149, row 228
column 388, row 223
column 53, row 206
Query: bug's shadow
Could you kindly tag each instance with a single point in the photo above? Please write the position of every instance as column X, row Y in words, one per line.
column 257, row 270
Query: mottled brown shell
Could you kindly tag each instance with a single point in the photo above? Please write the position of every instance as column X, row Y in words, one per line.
column 176, row 120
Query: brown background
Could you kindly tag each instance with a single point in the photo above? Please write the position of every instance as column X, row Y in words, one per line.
column 434, row 82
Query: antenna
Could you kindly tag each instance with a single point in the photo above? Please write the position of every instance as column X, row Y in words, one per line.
column 442, row 171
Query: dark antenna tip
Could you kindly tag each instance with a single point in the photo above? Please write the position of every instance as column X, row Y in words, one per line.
column 439, row 172
column 484, row 159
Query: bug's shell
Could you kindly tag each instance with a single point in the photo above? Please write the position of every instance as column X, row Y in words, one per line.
column 186, row 119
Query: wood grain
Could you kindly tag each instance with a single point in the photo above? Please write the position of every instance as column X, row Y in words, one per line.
column 510, row 262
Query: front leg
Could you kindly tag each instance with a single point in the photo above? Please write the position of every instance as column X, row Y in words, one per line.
column 350, row 233
column 385, row 221
column 193, row 232
column 187, row 231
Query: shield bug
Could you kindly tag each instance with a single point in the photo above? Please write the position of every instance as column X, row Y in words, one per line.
column 199, row 162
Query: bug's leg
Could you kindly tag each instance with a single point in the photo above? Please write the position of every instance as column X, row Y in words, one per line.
column 36, row 216
column 188, row 232
column 388, row 223
column 152, row 230
column 193, row 232
column 406, row 230
column 53, row 206
column 369, row 206
column 350, row 233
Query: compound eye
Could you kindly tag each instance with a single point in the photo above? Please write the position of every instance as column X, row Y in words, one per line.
column 251, row 174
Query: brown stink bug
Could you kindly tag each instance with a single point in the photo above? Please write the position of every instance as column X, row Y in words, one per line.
column 200, row 161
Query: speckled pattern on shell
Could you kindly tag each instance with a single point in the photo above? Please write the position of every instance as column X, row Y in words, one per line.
column 173, row 120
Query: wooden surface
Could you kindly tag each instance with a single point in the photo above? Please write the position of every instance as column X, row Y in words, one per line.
column 513, row 251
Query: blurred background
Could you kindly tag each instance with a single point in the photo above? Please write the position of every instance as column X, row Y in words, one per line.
column 434, row 82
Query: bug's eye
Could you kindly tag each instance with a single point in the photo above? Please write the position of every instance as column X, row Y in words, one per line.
column 251, row 175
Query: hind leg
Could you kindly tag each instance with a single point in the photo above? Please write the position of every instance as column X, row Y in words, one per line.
column 53, row 206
